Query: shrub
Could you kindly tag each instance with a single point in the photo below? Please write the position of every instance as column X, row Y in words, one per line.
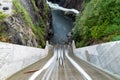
column 116, row 38
column 99, row 19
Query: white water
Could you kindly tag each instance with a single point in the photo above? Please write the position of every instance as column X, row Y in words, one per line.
column 57, row 7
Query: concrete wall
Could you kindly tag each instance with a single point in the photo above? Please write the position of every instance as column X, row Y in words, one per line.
column 106, row 56
column 15, row 57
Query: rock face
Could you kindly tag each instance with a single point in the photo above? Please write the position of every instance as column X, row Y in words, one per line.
column 27, row 30
column 47, row 19
column 76, row 4
column 18, row 32
column 30, row 9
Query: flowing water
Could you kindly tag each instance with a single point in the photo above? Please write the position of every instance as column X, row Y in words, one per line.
column 61, row 23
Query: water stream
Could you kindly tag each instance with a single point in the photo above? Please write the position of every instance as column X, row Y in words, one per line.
column 57, row 7
column 61, row 24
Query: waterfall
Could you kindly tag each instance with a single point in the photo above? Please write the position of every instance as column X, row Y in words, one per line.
column 57, row 7
column 61, row 24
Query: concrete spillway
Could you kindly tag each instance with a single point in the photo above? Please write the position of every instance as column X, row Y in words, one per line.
column 61, row 67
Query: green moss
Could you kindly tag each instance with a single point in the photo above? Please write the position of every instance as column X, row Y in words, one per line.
column 2, row 16
column 21, row 10
column 2, row 28
column 34, row 5
column 2, row 31
column 46, row 10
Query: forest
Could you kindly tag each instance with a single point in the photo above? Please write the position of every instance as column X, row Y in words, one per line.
column 98, row 22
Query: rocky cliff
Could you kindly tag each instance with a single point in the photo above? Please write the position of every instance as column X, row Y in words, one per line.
column 76, row 4
column 27, row 24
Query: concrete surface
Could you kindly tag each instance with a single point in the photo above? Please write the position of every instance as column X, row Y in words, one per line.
column 105, row 56
column 15, row 57
column 61, row 68
column 28, row 71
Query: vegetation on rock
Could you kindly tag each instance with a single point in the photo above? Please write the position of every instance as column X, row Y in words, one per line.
column 3, row 37
column 13, row 28
column 26, row 17
column 2, row 16
column 99, row 22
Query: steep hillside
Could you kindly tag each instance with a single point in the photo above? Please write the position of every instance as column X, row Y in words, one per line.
column 27, row 24
column 99, row 22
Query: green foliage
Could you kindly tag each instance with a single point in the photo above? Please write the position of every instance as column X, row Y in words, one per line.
column 26, row 17
column 2, row 16
column 2, row 31
column 87, row 1
column 46, row 10
column 21, row 10
column 34, row 5
column 97, row 32
column 2, row 28
column 116, row 38
column 99, row 19
column 112, row 29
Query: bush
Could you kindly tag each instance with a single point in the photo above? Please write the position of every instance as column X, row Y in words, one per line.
column 99, row 19
column 116, row 38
